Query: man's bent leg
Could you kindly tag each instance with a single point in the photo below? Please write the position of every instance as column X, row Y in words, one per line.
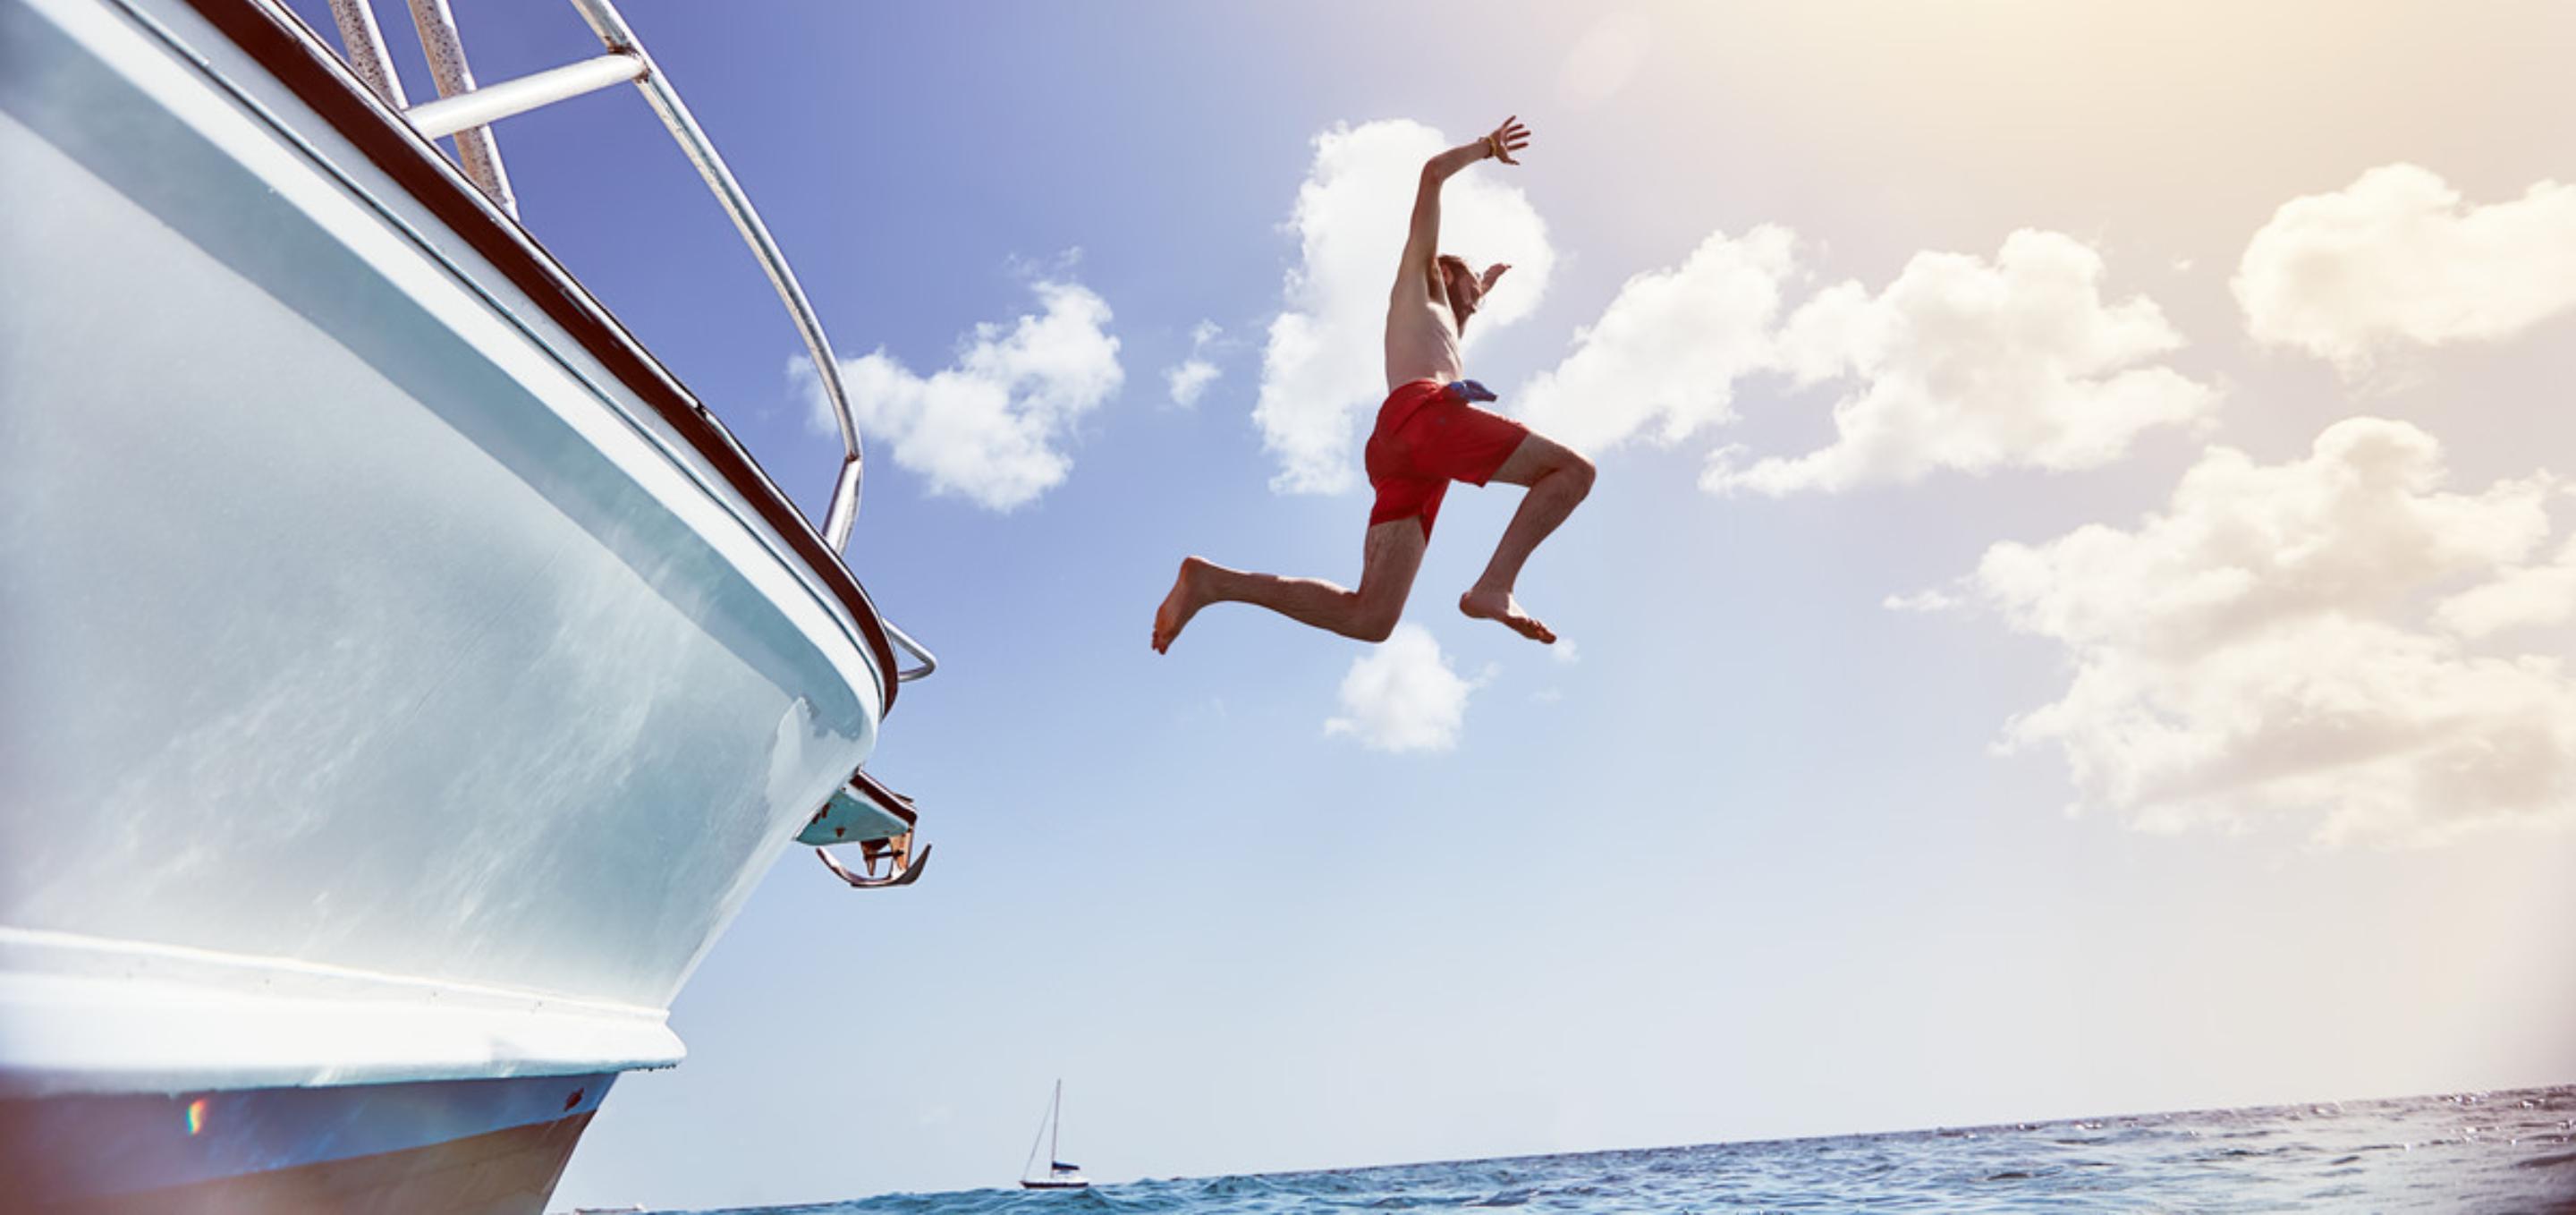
column 1558, row 479
column 1389, row 559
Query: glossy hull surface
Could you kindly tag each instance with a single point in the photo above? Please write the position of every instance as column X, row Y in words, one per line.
column 391, row 699
column 493, row 1147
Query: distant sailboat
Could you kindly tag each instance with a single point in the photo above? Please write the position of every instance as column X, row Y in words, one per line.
column 1059, row 1175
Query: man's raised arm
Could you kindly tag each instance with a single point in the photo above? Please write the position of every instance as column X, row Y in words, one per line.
column 1422, row 244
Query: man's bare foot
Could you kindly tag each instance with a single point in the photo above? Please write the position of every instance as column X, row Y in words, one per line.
column 1187, row 597
column 1500, row 606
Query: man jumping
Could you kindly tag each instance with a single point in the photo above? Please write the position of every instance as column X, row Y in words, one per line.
column 1427, row 435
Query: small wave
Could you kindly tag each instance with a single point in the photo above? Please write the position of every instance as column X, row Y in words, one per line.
column 1508, row 1198
column 1234, row 1187
column 1089, row 1199
column 2559, row 1160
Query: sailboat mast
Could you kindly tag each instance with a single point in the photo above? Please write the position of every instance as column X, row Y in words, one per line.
column 1055, row 1125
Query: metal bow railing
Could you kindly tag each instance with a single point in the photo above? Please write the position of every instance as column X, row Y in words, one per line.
column 467, row 110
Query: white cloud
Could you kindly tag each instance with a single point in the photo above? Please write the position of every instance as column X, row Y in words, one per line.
column 1930, row 600
column 1324, row 370
column 1191, row 376
column 1971, row 366
column 1959, row 364
column 1188, row 379
column 2259, row 649
column 2398, row 255
column 2520, row 597
column 992, row 426
column 1665, row 355
column 1402, row 696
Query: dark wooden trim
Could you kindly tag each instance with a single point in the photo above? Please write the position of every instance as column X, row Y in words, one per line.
column 320, row 80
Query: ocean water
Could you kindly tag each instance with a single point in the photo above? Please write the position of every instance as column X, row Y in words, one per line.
column 2507, row 1153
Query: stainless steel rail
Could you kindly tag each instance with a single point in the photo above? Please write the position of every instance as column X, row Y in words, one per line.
column 460, row 111
column 465, row 111
column 364, row 48
column 474, row 146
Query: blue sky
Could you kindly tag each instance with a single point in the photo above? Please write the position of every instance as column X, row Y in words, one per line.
column 2156, row 701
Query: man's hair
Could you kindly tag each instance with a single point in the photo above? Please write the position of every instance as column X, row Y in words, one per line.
column 1452, row 261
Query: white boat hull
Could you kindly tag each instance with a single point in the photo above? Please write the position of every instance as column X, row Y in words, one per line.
column 392, row 699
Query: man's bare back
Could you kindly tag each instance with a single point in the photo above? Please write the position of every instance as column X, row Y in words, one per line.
column 1427, row 435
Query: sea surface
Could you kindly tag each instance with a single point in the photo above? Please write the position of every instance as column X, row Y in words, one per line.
column 2502, row 1152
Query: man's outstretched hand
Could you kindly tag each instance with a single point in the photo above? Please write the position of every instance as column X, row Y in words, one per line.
column 1507, row 139
column 1492, row 273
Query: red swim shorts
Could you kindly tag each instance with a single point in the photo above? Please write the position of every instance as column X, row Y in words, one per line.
column 1425, row 438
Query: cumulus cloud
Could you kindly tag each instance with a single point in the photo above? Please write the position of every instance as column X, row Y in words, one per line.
column 1324, row 367
column 2398, row 255
column 991, row 427
column 1663, row 359
column 2263, row 647
column 1191, row 376
column 1403, row 696
column 1967, row 365
column 1958, row 364
column 2520, row 597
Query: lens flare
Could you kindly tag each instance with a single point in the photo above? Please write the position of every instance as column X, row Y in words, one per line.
column 196, row 1115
